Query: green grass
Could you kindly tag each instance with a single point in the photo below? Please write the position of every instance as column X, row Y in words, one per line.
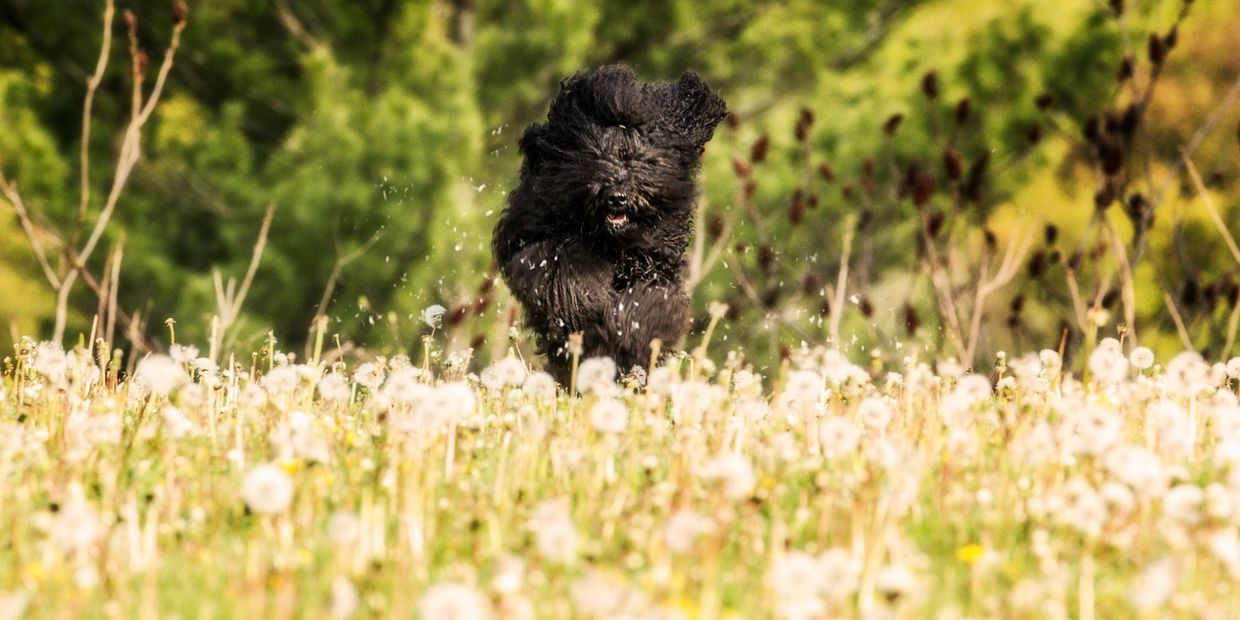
column 931, row 514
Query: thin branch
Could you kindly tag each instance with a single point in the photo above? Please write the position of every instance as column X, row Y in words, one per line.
column 255, row 257
column 131, row 147
column 338, row 269
column 841, row 280
column 1179, row 322
column 1210, row 208
column 23, row 216
column 109, row 12
column 1012, row 258
column 1228, row 100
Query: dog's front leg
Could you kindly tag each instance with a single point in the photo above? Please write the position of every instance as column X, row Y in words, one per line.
column 567, row 285
column 642, row 313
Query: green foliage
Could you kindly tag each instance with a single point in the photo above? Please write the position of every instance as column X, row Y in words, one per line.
column 389, row 129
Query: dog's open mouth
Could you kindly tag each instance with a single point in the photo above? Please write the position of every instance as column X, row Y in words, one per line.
column 617, row 219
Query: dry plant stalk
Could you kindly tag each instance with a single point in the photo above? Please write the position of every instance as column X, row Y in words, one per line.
column 228, row 297
column 74, row 257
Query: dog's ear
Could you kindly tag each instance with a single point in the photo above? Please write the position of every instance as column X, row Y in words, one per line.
column 532, row 147
column 610, row 95
column 693, row 109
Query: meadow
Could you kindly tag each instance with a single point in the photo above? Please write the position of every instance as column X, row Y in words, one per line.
column 276, row 487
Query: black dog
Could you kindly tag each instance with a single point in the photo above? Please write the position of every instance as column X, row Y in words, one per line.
column 593, row 239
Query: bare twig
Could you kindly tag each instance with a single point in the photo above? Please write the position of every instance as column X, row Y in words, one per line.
column 841, row 280
column 229, row 298
column 1211, row 209
column 109, row 12
column 1179, row 322
column 1012, row 257
column 342, row 261
column 32, row 236
column 1128, row 293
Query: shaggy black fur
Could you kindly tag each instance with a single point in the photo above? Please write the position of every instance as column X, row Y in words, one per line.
column 593, row 240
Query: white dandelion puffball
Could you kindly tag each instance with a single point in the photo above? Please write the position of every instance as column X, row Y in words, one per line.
column 555, row 535
column 281, row 380
column 161, row 374
column 369, row 375
column 433, row 316
column 344, row 598
column 734, row 472
column 1107, row 362
column 75, row 526
column 595, row 372
column 267, row 489
column 1141, row 358
column 838, row 437
column 539, row 386
column 509, row 371
column 454, row 601
column 609, row 416
column 683, row 529
column 50, row 360
column 334, row 387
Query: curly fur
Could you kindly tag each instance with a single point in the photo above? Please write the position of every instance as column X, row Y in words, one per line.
column 593, row 239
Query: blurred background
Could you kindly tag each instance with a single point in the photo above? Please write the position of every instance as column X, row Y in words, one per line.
column 1005, row 175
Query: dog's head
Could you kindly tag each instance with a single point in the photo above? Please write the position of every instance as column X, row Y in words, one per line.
column 617, row 156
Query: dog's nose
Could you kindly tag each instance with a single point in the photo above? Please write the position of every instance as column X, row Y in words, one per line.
column 615, row 199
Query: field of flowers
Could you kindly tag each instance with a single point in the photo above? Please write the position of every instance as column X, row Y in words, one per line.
column 272, row 487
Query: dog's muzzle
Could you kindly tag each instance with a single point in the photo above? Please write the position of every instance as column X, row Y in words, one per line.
column 617, row 205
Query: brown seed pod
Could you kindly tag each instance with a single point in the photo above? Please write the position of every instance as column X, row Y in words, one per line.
column 962, row 111
column 828, row 173
column 1050, row 234
column 732, row 119
column 1126, row 68
column 767, row 257
column 893, row 124
column 923, row 190
column 457, row 315
column 180, row 12
column 866, row 307
column 740, row 166
column 1036, row 264
column 796, row 207
column 714, row 225
column 758, row 153
column 953, row 164
column 911, row 320
column 1157, row 49
column 1044, row 101
column 992, row 241
column 770, row 297
column 934, row 224
column 930, row 85
column 1017, row 305
column 811, row 284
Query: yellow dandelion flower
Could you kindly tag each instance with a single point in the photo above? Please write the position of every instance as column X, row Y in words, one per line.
column 33, row 570
column 291, row 466
column 969, row 554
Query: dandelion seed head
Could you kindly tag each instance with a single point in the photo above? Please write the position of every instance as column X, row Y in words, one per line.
column 267, row 489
